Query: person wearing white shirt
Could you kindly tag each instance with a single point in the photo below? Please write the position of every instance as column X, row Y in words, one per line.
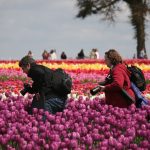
column 97, row 53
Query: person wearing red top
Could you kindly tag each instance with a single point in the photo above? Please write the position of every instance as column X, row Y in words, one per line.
column 119, row 81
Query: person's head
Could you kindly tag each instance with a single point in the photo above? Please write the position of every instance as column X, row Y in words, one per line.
column 51, row 51
column 96, row 50
column 29, row 52
column 25, row 63
column 45, row 51
column 112, row 58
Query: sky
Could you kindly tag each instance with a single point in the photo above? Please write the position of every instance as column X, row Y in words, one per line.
column 52, row 24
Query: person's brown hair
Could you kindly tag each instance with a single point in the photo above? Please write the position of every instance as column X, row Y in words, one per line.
column 113, row 56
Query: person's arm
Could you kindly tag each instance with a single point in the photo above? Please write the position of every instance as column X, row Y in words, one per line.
column 118, row 81
column 103, row 83
column 37, row 75
column 107, row 80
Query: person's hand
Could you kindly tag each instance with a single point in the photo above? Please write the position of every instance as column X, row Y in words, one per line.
column 102, row 88
column 26, row 88
column 26, row 85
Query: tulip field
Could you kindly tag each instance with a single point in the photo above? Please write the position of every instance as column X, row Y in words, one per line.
column 87, row 123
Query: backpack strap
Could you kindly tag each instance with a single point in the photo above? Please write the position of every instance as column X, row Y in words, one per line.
column 129, row 99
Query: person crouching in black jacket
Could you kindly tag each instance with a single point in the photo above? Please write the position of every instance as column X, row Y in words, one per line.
column 44, row 98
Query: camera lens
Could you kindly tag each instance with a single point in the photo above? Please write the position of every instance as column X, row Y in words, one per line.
column 95, row 90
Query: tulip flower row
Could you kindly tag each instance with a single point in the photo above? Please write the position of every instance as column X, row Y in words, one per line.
column 84, row 65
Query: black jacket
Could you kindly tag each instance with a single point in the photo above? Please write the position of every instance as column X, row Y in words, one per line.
column 41, row 77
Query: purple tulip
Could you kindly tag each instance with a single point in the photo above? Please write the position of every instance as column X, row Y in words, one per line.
column 95, row 136
column 34, row 129
column 73, row 143
column 85, row 120
column 54, row 145
column 143, row 127
column 67, row 141
column 133, row 146
column 118, row 146
column 104, row 148
column 104, row 143
column 144, row 144
column 35, row 110
column 29, row 146
column 63, row 121
column 89, row 140
column 46, row 146
column 75, row 135
column 41, row 111
column 41, row 141
column 35, row 137
column 26, row 136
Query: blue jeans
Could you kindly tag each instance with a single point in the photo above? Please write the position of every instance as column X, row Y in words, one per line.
column 54, row 105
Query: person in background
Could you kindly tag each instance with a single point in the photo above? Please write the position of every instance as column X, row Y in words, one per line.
column 117, row 81
column 134, row 56
column 81, row 54
column 92, row 54
column 143, row 54
column 44, row 95
column 53, row 55
column 45, row 55
column 30, row 53
column 63, row 55
column 97, row 53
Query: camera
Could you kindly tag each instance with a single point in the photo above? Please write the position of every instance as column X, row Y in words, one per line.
column 25, row 90
column 95, row 90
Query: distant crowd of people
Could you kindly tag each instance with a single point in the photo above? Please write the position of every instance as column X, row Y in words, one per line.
column 94, row 54
column 52, row 55
column 49, row 55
